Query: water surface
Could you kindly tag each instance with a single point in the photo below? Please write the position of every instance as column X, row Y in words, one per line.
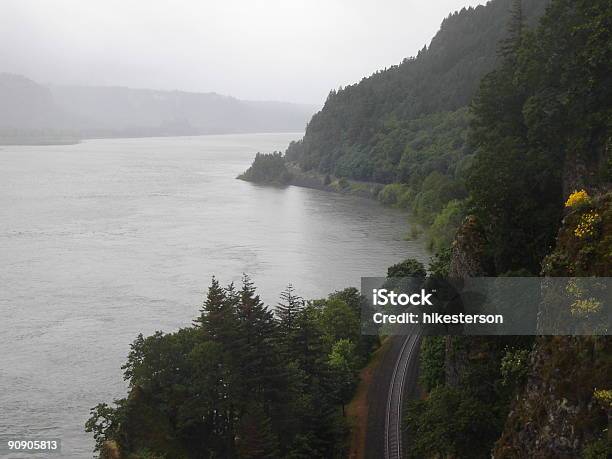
column 109, row 238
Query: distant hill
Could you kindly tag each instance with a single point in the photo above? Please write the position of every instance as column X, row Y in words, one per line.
column 28, row 105
column 30, row 111
column 124, row 111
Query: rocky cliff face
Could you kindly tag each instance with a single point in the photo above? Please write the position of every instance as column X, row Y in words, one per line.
column 468, row 259
column 564, row 409
column 558, row 414
column 468, row 253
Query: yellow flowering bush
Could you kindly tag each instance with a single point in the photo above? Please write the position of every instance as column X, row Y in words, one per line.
column 581, row 307
column 604, row 397
column 577, row 198
column 586, row 226
column 585, row 308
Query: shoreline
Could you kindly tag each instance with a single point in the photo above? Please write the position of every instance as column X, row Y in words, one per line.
column 317, row 181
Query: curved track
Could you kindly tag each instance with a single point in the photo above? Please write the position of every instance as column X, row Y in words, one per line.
column 393, row 418
column 394, row 378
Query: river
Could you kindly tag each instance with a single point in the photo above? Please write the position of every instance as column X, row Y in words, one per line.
column 109, row 238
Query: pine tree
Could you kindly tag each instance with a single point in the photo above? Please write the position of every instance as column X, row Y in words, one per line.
column 256, row 322
column 256, row 438
column 219, row 323
column 212, row 310
column 260, row 364
column 509, row 46
column 287, row 310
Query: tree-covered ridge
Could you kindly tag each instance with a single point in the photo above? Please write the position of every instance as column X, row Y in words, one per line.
column 241, row 382
column 443, row 77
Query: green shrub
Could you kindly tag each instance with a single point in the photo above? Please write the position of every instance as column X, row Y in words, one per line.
column 407, row 268
column 445, row 225
column 450, row 423
column 514, row 367
column 437, row 190
column 396, row 194
column 598, row 449
column 404, row 199
column 431, row 371
column 439, row 264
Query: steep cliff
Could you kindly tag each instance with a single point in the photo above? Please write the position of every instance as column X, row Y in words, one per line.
column 564, row 409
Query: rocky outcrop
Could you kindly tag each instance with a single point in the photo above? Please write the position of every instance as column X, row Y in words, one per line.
column 468, row 259
column 561, row 412
column 468, row 253
column 556, row 415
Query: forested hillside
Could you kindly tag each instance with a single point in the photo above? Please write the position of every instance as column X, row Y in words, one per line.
column 29, row 114
column 359, row 123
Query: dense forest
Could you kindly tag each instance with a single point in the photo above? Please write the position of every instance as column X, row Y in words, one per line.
column 498, row 135
column 242, row 381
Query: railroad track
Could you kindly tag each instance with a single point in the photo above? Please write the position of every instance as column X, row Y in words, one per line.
column 393, row 418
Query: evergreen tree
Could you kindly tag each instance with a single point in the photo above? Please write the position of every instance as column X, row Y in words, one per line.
column 287, row 310
column 256, row 437
column 213, row 312
column 509, row 45
column 262, row 370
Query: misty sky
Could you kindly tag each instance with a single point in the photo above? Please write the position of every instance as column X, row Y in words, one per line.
column 292, row 50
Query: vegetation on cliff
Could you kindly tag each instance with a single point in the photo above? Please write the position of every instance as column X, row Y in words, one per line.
column 543, row 111
column 538, row 179
column 563, row 409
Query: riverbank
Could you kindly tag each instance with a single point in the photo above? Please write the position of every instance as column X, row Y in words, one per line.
column 369, row 190
column 318, row 181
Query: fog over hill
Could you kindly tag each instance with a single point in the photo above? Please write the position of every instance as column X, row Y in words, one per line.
column 31, row 112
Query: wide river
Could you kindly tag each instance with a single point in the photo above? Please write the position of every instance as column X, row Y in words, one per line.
column 110, row 238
